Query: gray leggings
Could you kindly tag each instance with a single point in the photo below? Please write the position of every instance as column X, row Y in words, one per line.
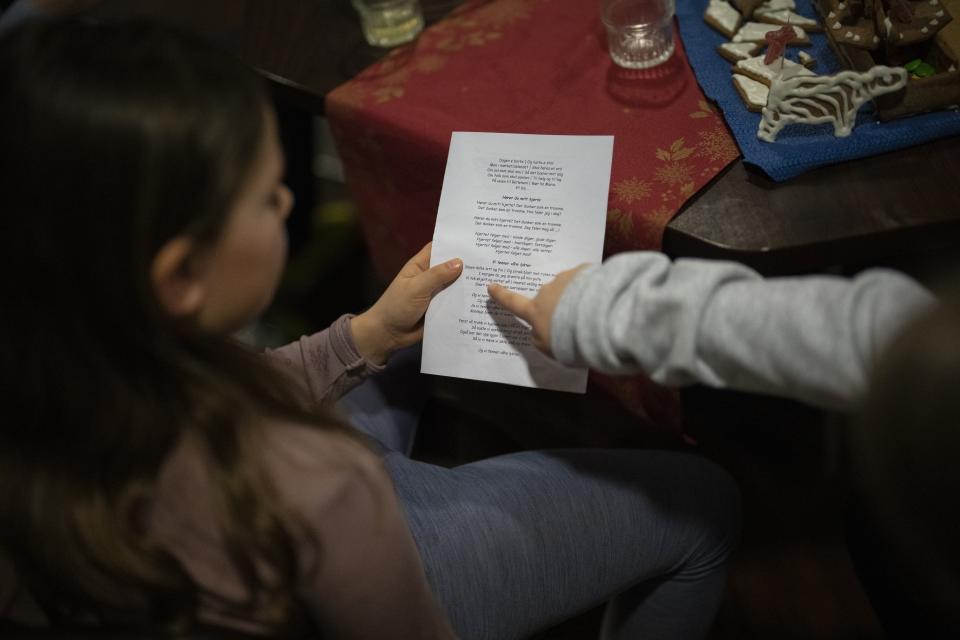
column 517, row 543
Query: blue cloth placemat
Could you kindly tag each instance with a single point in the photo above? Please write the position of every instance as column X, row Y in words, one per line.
column 798, row 148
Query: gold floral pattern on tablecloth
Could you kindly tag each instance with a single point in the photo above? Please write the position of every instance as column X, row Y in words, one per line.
column 716, row 143
column 717, row 146
column 619, row 223
column 631, row 190
column 635, row 222
column 705, row 110
column 643, row 196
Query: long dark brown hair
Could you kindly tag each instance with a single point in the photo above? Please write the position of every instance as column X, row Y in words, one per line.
column 113, row 140
column 904, row 445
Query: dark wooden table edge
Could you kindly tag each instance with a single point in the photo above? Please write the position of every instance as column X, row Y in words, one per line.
column 846, row 250
column 294, row 94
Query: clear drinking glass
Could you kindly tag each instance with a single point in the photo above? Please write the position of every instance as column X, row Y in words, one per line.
column 387, row 23
column 639, row 32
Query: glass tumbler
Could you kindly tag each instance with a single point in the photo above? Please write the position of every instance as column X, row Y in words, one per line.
column 388, row 23
column 639, row 32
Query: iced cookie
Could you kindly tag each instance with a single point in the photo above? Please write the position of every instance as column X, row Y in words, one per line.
column 754, row 94
column 831, row 99
column 774, row 5
column 723, row 17
column 786, row 16
column 756, row 69
column 737, row 51
column 755, row 32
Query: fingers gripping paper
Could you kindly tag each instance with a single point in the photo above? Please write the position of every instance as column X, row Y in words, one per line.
column 517, row 209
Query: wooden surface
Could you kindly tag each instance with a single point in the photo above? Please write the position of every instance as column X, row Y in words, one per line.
column 305, row 47
column 308, row 47
column 859, row 212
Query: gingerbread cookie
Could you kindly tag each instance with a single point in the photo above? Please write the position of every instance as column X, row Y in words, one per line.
column 736, row 51
column 754, row 94
column 786, row 16
column 826, row 99
column 755, row 32
column 723, row 17
column 774, row 5
column 755, row 68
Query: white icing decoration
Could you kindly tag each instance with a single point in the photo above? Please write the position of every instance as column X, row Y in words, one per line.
column 806, row 59
column 785, row 17
column 835, row 99
column 841, row 6
column 888, row 25
column 933, row 2
column 901, row 36
column 952, row 68
column 939, row 14
column 856, row 38
column 934, row 22
column 924, row 30
column 740, row 50
column 754, row 92
column 775, row 5
column 836, row 25
column 848, row 34
column 831, row 14
column 876, row 39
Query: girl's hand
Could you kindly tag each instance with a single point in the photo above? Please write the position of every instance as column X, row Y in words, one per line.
column 396, row 319
column 536, row 311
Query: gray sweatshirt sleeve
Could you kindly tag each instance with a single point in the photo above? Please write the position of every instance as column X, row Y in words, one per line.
column 811, row 338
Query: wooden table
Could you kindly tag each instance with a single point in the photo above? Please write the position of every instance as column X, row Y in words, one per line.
column 859, row 212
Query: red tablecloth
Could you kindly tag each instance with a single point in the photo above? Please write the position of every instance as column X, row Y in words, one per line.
column 524, row 66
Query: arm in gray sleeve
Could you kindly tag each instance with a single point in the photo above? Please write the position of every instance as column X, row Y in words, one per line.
column 811, row 338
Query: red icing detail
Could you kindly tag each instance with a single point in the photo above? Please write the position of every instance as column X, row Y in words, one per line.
column 777, row 42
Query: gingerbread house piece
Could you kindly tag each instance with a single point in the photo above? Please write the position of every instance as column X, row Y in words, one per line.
column 851, row 22
column 904, row 33
column 901, row 23
column 894, row 23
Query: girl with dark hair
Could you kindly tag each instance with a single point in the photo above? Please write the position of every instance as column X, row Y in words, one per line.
column 154, row 473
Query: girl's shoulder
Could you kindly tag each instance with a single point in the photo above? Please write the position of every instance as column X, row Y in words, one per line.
column 306, row 466
column 320, row 482
column 309, row 466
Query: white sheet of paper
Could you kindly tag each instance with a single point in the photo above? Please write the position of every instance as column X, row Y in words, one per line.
column 517, row 209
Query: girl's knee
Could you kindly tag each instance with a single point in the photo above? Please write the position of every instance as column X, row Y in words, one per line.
column 718, row 505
